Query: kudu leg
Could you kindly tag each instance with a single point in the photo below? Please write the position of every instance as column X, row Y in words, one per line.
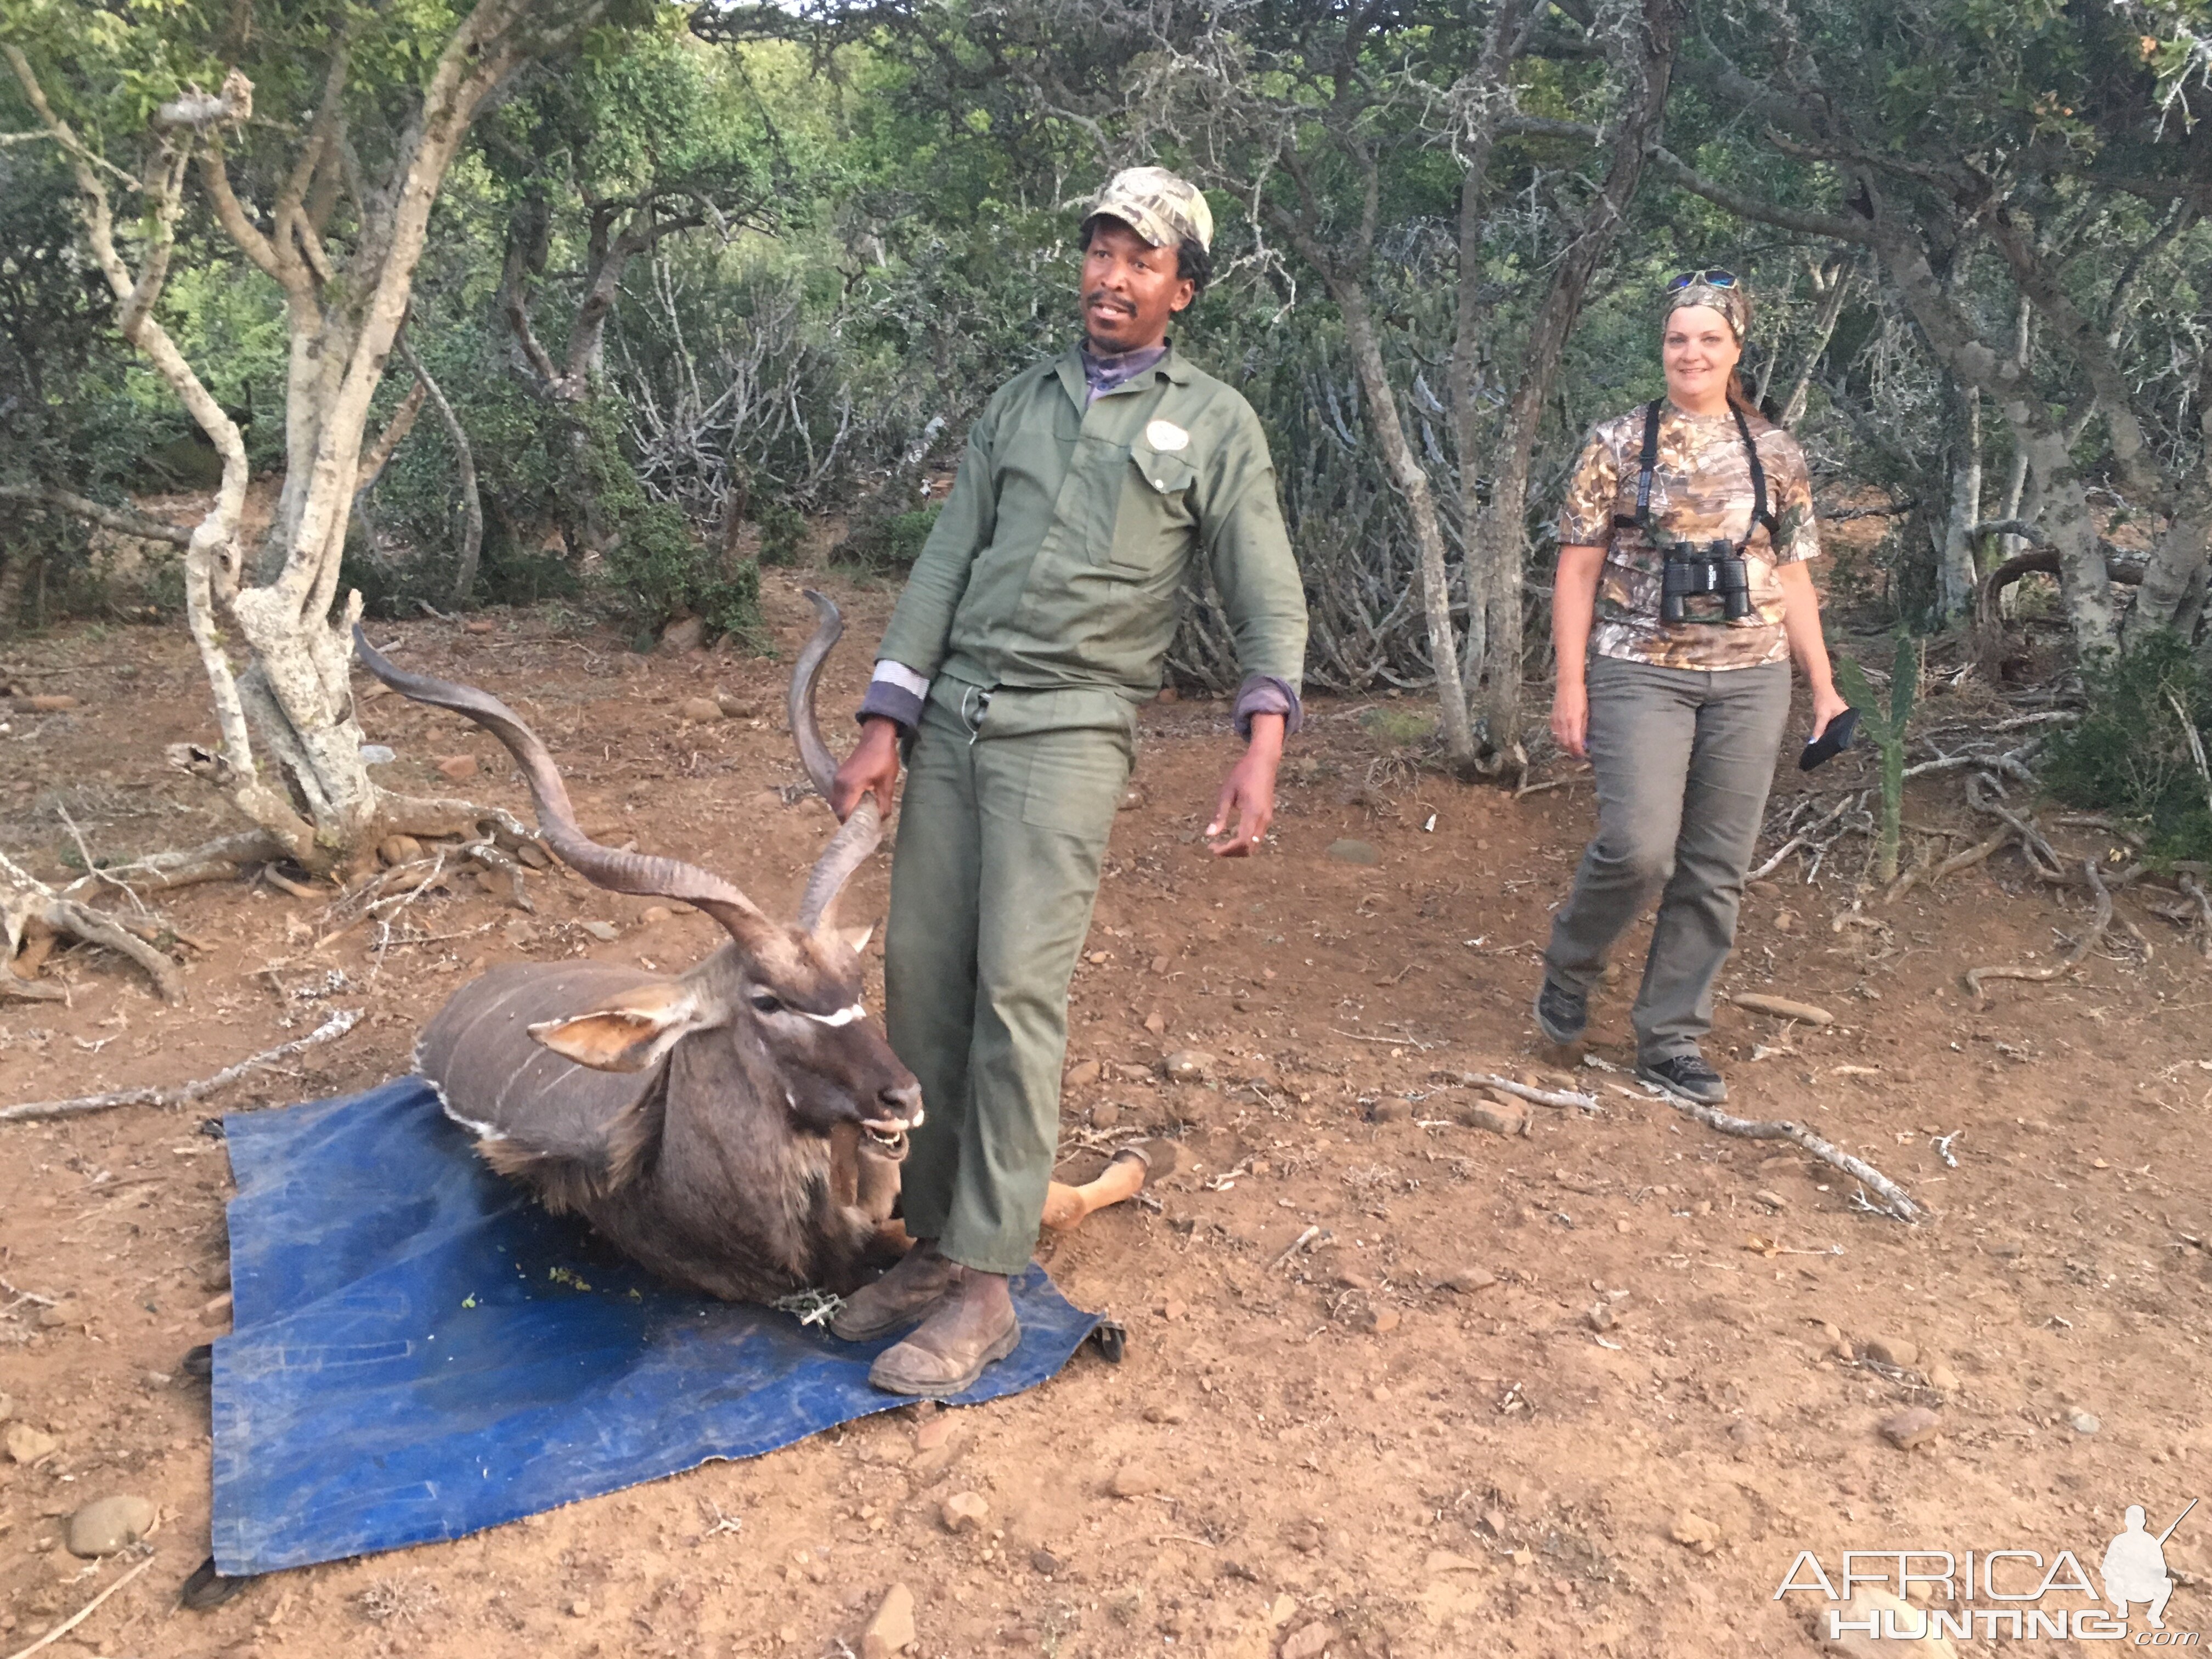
column 1122, row 1178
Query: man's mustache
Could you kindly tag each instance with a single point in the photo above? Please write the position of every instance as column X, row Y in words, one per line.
column 1099, row 296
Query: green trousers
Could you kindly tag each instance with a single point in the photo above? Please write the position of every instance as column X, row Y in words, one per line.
column 1008, row 798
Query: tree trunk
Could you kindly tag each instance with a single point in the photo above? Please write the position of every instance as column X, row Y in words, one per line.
column 1824, row 330
column 1413, row 482
column 1954, row 566
column 2173, row 582
column 464, row 460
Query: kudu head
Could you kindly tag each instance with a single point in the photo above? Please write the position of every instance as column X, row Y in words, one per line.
column 787, row 996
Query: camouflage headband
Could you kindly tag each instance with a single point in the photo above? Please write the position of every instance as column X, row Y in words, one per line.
column 1732, row 302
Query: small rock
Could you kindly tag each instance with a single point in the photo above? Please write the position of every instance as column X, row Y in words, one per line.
column 1309, row 1642
column 1785, row 922
column 891, row 1631
column 1081, row 1075
column 1280, row 1611
column 1188, row 1066
column 476, row 627
column 579, row 1609
column 1773, row 1201
column 1044, row 1562
column 2083, row 1423
column 1392, row 1111
column 534, row 855
column 934, row 1432
column 965, row 1511
column 1169, row 694
column 704, row 711
column 1155, row 1023
column 26, row 1444
column 684, row 634
column 1468, row 1280
column 1132, row 1481
column 1762, row 889
column 1105, row 1115
column 217, row 1306
column 1132, row 797
column 49, row 703
column 656, row 913
column 454, row 768
column 1174, row 1310
column 1600, row 1316
column 1380, row 1322
column 399, row 849
column 735, row 708
column 605, row 931
column 106, row 1525
column 1167, row 1411
column 1693, row 1532
column 1499, row 1119
column 1163, row 964
column 1744, row 1434
column 1893, row 1351
column 1913, row 1426
column 1942, row 1379
column 1354, row 852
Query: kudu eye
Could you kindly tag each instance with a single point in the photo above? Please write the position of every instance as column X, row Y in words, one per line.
column 766, row 1004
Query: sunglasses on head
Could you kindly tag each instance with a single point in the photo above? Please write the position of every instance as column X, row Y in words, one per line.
column 1710, row 278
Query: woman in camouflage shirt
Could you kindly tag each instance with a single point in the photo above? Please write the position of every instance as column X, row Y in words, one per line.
column 1680, row 719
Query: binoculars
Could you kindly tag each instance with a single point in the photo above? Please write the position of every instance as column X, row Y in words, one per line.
column 1696, row 569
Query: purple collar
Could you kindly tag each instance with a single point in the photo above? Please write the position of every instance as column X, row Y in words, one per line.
column 1103, row 375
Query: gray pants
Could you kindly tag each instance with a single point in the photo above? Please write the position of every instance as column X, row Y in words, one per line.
column 1684, row 758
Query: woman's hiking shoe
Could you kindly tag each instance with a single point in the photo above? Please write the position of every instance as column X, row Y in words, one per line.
column 1687, row 1075
column 1561, row 1013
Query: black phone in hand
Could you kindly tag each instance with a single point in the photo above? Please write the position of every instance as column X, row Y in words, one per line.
column 1832, row 742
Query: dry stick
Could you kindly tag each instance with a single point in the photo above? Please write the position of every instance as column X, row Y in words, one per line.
column 2083, row 946
column 1892, row 1195
column 83, row 1613
column 1506, row 1086
column 341, row 1021
column 1800, row 839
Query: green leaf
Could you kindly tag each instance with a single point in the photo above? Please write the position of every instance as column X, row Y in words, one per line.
column 1904, row 683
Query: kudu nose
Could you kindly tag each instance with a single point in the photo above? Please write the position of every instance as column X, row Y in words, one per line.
column 902, row 1104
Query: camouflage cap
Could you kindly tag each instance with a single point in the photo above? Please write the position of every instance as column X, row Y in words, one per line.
column 1733, row 302
column 1158, row 205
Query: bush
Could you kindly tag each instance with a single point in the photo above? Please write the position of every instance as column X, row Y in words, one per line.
column 2139, row 752
column 892, row 542
column 783, row 533
column 660, row 570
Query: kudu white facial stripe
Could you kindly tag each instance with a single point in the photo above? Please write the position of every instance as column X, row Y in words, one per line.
column 843, row 1017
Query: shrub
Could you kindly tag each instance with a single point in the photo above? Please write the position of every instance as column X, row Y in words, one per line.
column 2139, row 751
column 879, row 542
column 783, row 533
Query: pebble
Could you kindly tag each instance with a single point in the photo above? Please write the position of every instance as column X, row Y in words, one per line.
column 108, row 1524
column 1942, row 1379
column 1380, row 1322
column 1081, row 1075
column 2084, row 1422
column 735, row 708
column 1915, row 1425
column 656, row 913
column 49, row 703
column 1174, row 1310
column 891, row 1631
column 1772, row 1199
column 1496, row 1117
column 1468, row 1280
column 704, row 711
column 1309, row 1643
column 478, row 627
column 684, row 634
column 579, row 1609
column 1155, row 1023
column 456, row 768
column 1744, row 1434
column 1349, row 851
column 1392, row 1111
column 1187, row 1065
column 1600, row 1316
column 1167, row 1411
column 1044, row 1562
column 1893, row 1351
column 605, row 931
column 1132, row 1481
column 1693, row 1532
column 965, row 1511
column 1132, row 797
column 1105, row 1115
column 398, row 849
column 1163, row 964
column 934, row 1432
column 1785, row 922
column 27, row 1444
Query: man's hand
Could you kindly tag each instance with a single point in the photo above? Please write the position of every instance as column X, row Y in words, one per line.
column 1248, row 795
column 1828, row 703
column 873, row 766
column 1571, row 718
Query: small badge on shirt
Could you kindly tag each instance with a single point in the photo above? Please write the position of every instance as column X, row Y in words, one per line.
column 1166, row 436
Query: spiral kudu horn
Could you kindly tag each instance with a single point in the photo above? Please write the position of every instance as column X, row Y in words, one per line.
column 603, row 866
column 863, row 832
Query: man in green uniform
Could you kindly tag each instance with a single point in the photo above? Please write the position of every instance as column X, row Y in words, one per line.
column 1035, row 623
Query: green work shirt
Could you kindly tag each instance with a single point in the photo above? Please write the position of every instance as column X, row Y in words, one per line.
column 1059, row 557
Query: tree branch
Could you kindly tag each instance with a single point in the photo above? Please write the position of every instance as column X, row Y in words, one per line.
column 125, row 521
column 1672, row 168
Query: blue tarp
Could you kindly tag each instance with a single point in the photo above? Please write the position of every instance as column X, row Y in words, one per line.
column 421, row 1352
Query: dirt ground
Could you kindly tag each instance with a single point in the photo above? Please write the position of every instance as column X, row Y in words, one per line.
column 1589, row 1389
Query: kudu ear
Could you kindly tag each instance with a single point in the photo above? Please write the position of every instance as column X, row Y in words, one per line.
column 631, row 1032
column 855, row 939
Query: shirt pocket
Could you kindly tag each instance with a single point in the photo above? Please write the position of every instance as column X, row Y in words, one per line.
column 1154, row 522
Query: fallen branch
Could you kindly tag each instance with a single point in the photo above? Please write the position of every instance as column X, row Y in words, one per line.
column 1782, row 1008
column 123, row 521
column 2090, row 935
column 82, row 1613
column 33, row 902
column 1892, row 1196
column 341, row 1021
column 1562, row 1099
column 1804, row 836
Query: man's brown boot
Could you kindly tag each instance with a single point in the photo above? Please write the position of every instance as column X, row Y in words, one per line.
column 917, row 1282
column 970, row 1329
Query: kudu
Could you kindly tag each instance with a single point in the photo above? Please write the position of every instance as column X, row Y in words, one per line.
column 736, row 1128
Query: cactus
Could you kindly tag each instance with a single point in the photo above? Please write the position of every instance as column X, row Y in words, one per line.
column 1885, row 729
